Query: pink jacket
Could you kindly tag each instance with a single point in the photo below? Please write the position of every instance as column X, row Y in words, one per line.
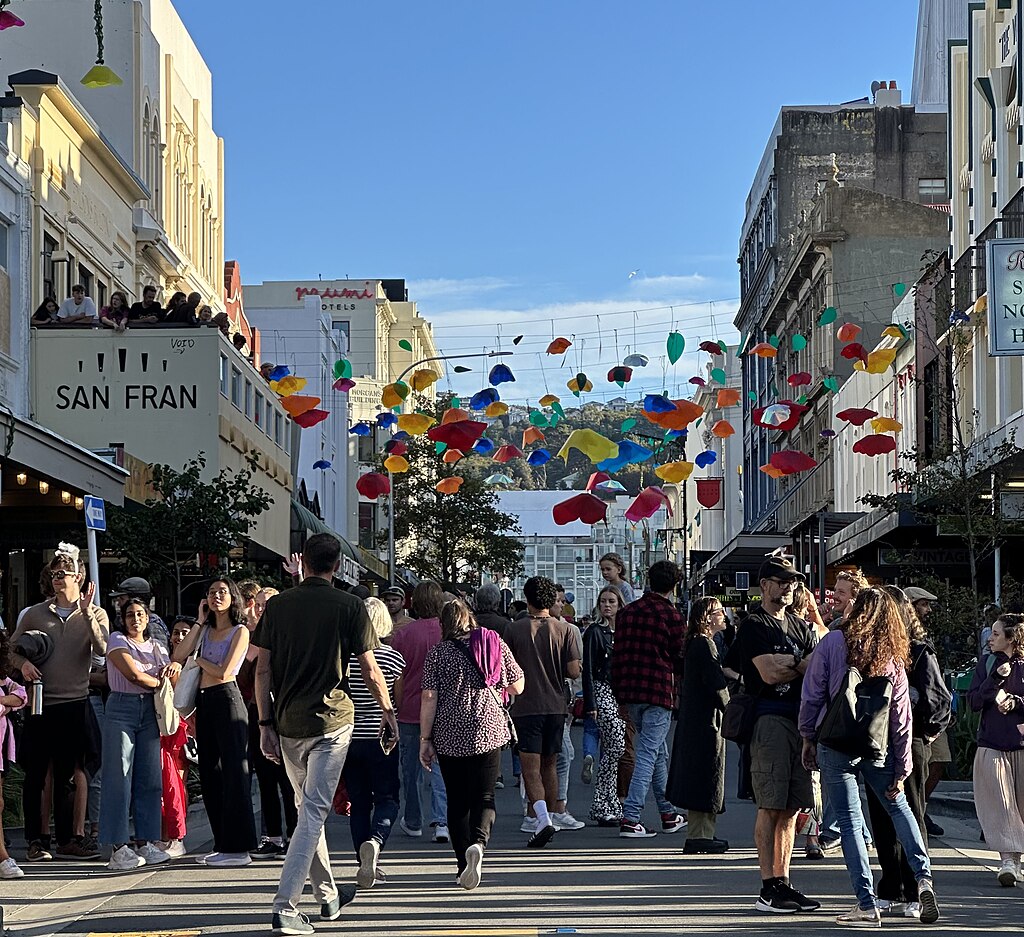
column 8, row 688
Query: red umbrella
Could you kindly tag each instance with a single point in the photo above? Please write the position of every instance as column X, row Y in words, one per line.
column 372, row 485
column 791, row 461
column 582, row 507
column 647, row 503
column 460, row 435
column 507, row 453
column 799, row 379
column 875, row 445
column 796, row 410
column 858, row 416
column 855, row 351
column 310, row 418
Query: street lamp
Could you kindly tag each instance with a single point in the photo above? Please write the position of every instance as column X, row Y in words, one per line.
column 391, row 494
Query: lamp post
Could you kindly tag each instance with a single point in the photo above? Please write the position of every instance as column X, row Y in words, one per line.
column 391, row 493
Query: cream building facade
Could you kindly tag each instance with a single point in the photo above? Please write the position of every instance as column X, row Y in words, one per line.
column 160, row 122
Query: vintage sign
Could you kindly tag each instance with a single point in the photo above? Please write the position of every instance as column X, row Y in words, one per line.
column 1005, row 276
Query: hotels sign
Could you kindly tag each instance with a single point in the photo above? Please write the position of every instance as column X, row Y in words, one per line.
column 1004, row 264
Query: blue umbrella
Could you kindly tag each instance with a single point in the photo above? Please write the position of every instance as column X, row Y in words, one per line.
column 705, row 459
column 500, row 374
column 484, row 445
column 321, row 464
column 658, row 403
column 482, row 399
column 538, row 457
column 361, row 429
column 629, row 452
column 279, row 372
column 386, row 419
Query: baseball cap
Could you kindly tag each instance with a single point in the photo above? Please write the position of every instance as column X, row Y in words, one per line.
column 133, row 585
column 394, row 590
column 916, row 594
column 778, row 567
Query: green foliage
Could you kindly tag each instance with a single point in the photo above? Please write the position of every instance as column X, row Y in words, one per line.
column 187, row 516
column 451, row 537
column 963, row 740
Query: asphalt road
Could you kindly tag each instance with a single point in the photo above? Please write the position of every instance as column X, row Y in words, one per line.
column 587, row 882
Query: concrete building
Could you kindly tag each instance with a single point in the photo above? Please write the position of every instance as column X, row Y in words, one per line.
column 938, row 21
column 160, row 122
column 369, row 319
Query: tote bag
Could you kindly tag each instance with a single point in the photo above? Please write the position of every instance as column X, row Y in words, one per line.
column 186, row 691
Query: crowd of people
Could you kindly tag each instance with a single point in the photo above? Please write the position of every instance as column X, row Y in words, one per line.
column 333, row 700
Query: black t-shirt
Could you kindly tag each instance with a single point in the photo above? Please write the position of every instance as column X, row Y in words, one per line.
column 759, row 634
column 138, row 311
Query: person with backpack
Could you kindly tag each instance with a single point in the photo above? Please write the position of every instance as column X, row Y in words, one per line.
column 856, row 721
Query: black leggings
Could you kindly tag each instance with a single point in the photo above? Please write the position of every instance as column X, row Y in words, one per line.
column 275, row 788
column 470, row 786
column 897, row 882
column 222, row 735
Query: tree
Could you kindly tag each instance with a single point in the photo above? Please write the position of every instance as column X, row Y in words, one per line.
column 187, row 516
column 446, row 536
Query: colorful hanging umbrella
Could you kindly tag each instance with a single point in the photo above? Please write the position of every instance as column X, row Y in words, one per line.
column 799, row 379
column 791, row 461
column 392, row 395
column 610, row 487
column 459, row 435
column 310, row 418
column 422, row 379
column 629, row 453
column 658, row 403
column 858, row 416
column 484, row 446
column 531, row 435
column 493, row 410
column 595, row 479
column 344, row 384
column 298, row 403
column 855, row 351
column 775, row 415
column 500, row 374
column 548, row 399
column 886, row 424
column 454, row 415
column 498, row 479
column 723, row 429
column 796, row 410
column 712, row 348
column 448, row 486
column 322, row 464
column 373, row 484
column 647, row 503
column 706, row 458
column 674, row 346
column 452, row 456
column 288, row 385
column 699, row 381
column 396, row 464
column 894, row 331
column 386, row 420
column 592, row 444
column 507, row 453
column 395, row 447
column 847, row 332
column 558, row 346
column 728, row 397
column 583, row 507
column 875, row 445
column 361, row 429
column 280, row 372
column 674, row 472
column 620, row 375
column 482, row 399
column 772, row 472
column 878, row 361
column 538, row 457
column 683, row 414
column 415, row 424
column 764, row 350
column 579, row 384
column 636, row 361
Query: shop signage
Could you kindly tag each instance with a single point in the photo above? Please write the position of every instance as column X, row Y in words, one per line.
column 1004, row 263
column 922, row 556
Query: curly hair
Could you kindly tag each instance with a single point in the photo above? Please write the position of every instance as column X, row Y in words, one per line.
column 915, row 629
column 801, row 599
column 540, row 592
column 857, row 580
column 875, row 633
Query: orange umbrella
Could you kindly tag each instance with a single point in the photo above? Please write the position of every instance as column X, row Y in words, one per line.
column 452, row 455
column 764, row 350
column 448, row 486
column 685, row 412
column 728, row 397
column 531, row 435
column 722, row 429
column 454, row 415
column 558, row 345
column 297, row 404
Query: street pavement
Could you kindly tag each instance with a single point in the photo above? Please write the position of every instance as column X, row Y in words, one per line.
column 588, row 882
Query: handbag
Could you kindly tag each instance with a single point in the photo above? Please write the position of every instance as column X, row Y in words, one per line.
column 509, row 724
column 739, row 718
column 186, row 690
column 167, row 717
column 856, row 722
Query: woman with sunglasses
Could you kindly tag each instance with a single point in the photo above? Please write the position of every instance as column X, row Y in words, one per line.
column 222, row 726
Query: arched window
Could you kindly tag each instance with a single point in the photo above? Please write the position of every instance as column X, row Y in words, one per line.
column 158, row 168
column 145, row 149
column 202, row 231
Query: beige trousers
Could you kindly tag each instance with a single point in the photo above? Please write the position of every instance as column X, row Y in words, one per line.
column 999, row 798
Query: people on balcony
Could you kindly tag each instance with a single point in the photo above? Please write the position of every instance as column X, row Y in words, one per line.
column 147, row 312
column 179, row 312
column 77, row 308
column 46, row 313
column 116, row 314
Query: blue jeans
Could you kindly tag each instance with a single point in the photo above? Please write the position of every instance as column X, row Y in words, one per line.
column 830, row 823
column 412, row 773
column 651, row 770
column 565, row 757
column 591, row 738
column 131, row 769
column 839, row 775
column 92, row 810
column 371, row 779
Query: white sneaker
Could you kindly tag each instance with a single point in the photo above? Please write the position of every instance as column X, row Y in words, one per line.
column 151, row 854
column 125, row 860
column 1007, row 874
column 10, row 869
column 566, row 821
column 229, row 859
column 175, row 848
column 529, row 825
column 366, row 875
column 470, row 877
column 913, row 909
column 408, row 830
column 441, row 833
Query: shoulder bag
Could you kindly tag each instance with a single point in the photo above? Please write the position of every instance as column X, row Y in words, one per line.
column 856, row 722
column 167, row 717
column 509, row 724
column 739, row 718
column 186, row 690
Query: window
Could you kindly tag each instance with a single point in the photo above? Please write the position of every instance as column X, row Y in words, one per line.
column 278, row 427
column 224, row 374
column 257, row 413
column 86, row 279
column 236, row 387
column 288, row 438
column 932, row 191
column 344, row 329
column 248, row 399
column 101, row 294
column 268, row 423
column 367, row 524
column 5, row 234
column 366, row 447
column 49, row 268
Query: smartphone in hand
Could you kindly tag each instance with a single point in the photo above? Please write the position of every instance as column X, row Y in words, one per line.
column 387, row 738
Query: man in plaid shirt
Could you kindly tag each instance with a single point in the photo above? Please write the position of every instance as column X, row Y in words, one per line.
column 648, row 651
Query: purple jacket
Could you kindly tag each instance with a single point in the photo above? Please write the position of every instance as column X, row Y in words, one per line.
column 1003, row 732
column 823, row 680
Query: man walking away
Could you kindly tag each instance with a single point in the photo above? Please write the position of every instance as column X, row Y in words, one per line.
column 547, row 651
column 771, row 652
column 649, row 636
column 307, row 637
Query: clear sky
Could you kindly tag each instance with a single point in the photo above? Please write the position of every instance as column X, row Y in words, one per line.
column 517, row 161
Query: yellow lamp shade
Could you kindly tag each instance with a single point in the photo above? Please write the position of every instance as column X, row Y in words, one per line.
column 101, row 76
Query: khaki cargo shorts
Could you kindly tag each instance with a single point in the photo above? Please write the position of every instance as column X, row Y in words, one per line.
column 777, row 774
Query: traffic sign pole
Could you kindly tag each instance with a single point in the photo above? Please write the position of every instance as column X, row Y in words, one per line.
column 94, row 562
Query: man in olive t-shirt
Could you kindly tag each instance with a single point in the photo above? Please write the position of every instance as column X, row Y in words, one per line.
column 306, row 639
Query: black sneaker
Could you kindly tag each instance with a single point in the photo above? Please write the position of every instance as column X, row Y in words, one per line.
column 268, row 849
column 802, row 902
column 932, row 827
column 705, row 847
column 773, row 901
column 37, row 852
column 542, row 837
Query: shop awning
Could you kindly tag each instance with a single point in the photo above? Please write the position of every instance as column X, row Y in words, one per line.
column 304, row 521
column 744, row 553
column 46, row 454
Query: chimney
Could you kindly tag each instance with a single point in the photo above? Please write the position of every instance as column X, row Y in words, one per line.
column 886, row 94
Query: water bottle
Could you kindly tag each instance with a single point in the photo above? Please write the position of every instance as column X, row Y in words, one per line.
column 37, row 697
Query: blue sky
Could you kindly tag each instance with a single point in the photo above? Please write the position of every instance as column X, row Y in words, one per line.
column 515, row 162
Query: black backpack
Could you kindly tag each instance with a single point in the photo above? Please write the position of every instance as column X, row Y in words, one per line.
column 856, row 722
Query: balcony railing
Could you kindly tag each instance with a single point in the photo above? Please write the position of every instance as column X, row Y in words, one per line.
column 1013, row 217
column 806, row 494
column 964, row 280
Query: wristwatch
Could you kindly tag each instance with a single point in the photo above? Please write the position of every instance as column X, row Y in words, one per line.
column 265, row 723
